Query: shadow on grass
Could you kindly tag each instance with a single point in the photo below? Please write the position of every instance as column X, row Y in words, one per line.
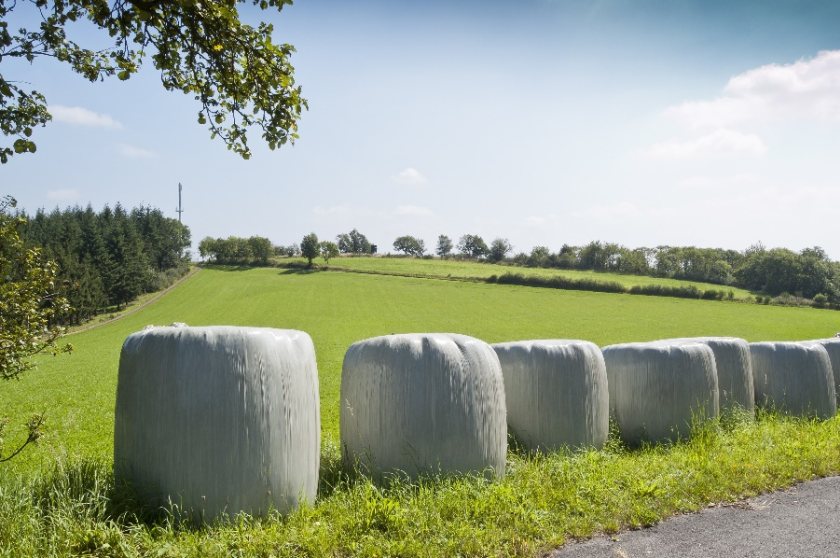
column 300, row 270
column 230, row 267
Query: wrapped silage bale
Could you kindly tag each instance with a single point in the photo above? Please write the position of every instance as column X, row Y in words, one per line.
column 657, row 390
column 423, row 403
column 734, row 370
column 794, row 378
column 556, row 393
column 832, row 347
column 218, row 420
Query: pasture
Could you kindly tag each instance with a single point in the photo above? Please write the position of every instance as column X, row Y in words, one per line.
column 66, row 482
column 476, row 270
column 336, row 309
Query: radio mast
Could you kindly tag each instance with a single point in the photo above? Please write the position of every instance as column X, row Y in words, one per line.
column 180, row 209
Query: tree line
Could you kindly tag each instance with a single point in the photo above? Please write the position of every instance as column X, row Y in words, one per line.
column 809, row 273
column 108, row 258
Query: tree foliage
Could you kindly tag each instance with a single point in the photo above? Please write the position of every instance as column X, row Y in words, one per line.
column 353, row 242
column 774, row 272
column 110, row 257
column 30, row 309
column 410, row 246
column 235, row 250
column 329, row 250
column 472, row 246
column 240, row 78
column 310, row 247
column 499, row 249
column 444, row 246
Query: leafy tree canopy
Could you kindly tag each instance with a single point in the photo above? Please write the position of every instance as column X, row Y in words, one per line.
column 329, row 250
column 410, row 245
column 472, row 246
column 237, row 74
column 444, row 246
column 29, row 309
column 310, row 247
column 499, row 249
column 353, row 242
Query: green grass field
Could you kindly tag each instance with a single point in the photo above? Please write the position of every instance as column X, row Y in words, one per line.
column 58, row 499
column 453, row 268
column 77, row 391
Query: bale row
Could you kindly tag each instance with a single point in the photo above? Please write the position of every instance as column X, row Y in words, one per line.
column 219, row 420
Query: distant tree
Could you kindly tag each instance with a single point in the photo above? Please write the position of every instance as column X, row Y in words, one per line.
column 521, row 259
column 472, row 246
column 260, row 248
column 207, row 248
column 310, row 247
column 567, row 257
column 539, row 256
column 30, row 309
column 444, row 246
column 410, row 245
column 499, row 249
column 329, row 250
column 108, row 258
column 593, row 256
column 289, row 251
column 353, row 242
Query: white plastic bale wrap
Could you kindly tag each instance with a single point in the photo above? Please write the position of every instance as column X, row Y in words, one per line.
column 657, row 390
column 832, row 347
column 556, row 393
column 734, row 370
column 795, row 378
column 423, row 403
column 218, row 420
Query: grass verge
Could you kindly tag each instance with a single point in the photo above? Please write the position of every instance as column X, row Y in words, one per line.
column 544, row 501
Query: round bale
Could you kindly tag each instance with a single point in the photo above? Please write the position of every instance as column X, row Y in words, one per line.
column 832, row 347
column 794, row 378
column 657, row 390
column 556, row 393
column 423, row 403
column 218, row 420
column 734, row 370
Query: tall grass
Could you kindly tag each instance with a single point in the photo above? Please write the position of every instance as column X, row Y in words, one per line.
column 544, row 500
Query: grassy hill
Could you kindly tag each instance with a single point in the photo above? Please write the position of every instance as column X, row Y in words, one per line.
column 336, row 309
column 476, row 270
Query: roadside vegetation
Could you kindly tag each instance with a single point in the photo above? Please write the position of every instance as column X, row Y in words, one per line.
column 75, row 509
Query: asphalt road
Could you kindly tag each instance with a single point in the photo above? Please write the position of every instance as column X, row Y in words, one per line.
column 802, row 522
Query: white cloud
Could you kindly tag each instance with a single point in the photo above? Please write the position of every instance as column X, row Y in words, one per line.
column 720, row 142
column 133, row 152
column 413, row 211
column 63, row 195
column 410, row 176
column 80, row 116
column 803, row 89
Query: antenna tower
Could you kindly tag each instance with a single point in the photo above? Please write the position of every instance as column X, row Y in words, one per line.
column 180, row 208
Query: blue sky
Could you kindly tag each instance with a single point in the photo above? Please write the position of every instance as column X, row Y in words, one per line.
column 542, row 121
